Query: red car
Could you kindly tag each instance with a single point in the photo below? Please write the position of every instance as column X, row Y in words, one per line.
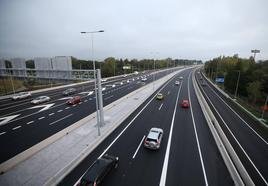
column 185, row 103
column 74, row 100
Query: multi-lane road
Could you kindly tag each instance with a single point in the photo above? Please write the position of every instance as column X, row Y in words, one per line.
column 188, row 153
column 30, row 124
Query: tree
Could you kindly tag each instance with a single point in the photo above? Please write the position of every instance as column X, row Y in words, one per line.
column 253, row 90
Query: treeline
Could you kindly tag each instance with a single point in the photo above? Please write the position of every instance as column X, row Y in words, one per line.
column 253, row 80
column 111, row 66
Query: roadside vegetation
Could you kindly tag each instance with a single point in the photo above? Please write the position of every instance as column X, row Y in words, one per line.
column 243, row 78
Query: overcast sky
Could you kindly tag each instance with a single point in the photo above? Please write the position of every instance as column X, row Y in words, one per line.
column 188, row 29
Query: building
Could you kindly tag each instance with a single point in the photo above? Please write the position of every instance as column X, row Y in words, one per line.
column 18, row 67
column 59, row 67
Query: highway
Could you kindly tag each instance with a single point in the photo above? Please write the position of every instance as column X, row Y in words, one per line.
column 188, row 153
column 247, row 136
column 30, row 124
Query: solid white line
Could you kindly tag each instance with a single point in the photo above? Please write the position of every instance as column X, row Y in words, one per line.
column 257, row 170
column 16, row 127
column 108, row 97
column 160, row 106
column 165, row 164
column 132, row 120
column 196, row 135
column 59, row 111
column 127, row 126
column 67, row 108
column 239, row 117
column 2, row 133
column 51, row 114
column 138, row 148
column 41, row 118
column 60, row 119
column 29, row 122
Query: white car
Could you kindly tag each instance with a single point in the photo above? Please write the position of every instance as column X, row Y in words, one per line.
column 154, row 138
column 21, row 95
column 177, row 83
column 144, row 79
column 40, row 99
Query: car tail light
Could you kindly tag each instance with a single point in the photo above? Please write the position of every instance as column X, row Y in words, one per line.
column 158, row 142
column 95, row 184
column 145, row 141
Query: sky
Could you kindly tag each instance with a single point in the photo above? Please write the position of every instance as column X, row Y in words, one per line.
column 181, row 29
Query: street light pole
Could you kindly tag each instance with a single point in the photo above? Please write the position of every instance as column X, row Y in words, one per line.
column 237, row 83
column 95, row 80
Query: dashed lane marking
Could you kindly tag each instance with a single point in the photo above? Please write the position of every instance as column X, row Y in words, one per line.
column 15, row 128
column 2, row 133
column 41, row 118
column 59, row 111
column 29, row 122
column 51, row 114
column 160, row 106
column 67, row 108
column 60, row 119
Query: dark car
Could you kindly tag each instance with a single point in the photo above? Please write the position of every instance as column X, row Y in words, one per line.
column 74, row 100
column 98, row 170
column 185, row 103
column 69, row 91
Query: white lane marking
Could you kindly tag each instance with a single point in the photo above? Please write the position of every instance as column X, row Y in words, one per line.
column 2, row 133
column 127, row 126
column 257, row 170
column 109, row 97
column 15, row 128
column 30, row 122
column 80, row 103
column 60, row 119
column 7, row 119
column 41, row 118
column 239, row 117
column 73, row 105
column 168, row 92
column 90, row 93
column 138, row 148
column 165, row 164
column 85, row 101
column 59, row 111
column 65, row 98
column 45, row 107
column 196, row 135
column 67, row 108
column 160, row 106
column 51, row 114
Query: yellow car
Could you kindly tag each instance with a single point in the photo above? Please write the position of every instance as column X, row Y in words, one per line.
column 159, row 96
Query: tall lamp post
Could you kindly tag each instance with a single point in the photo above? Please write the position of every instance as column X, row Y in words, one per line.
column 95, row 80
column 237, row 84
column 255, row 51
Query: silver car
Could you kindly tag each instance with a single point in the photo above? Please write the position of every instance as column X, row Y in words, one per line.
column 21, row 95
column 40, row 99
column 154, row 138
